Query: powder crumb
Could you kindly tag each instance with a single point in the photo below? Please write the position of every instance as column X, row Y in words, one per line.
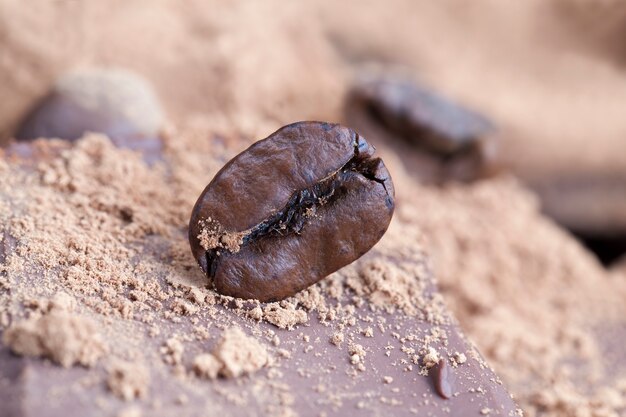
column 196, row 295
column 239, row 354
column 173, row 351
column 256, row 313
column 284, row 317
column 458, row 358
column 154, row 331
column 356, row 348
column 4, row 319
column 128, row 380
column 284, row 353
column 431, row 358
column 130, row 412
column 206, row 366
column 485, row 411
column 64, row 338
column 357, row 353
column 201, row 333
column 212, row 236
column 337, row 339
column 137, row 295
column 369, row 332
column 387, row 380
column 320, row 388
column 62, row 301
column 184, row 308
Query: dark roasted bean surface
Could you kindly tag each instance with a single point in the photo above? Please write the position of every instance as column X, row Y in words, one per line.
column 290, row 210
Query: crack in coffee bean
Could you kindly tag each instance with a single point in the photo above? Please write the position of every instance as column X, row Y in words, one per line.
column 301, row 206
column 340, row 205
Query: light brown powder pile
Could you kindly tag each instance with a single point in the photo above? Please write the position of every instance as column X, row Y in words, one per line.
column 128, row 380
column 206, row 366
column 284, row 315
column 57, row 334
column 239, row 354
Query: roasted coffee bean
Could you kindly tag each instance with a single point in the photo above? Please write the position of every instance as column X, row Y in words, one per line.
column 421, row 116
column 290, row 210
column 118, row 103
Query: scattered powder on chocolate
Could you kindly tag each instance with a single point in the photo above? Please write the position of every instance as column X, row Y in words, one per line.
column 538, row 305
column 95, row 222
column 82, row 220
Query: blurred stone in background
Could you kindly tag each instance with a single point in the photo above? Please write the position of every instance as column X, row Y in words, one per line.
column 115, row 102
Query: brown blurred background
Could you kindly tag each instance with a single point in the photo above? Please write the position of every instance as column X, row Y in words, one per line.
column 550, row 75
